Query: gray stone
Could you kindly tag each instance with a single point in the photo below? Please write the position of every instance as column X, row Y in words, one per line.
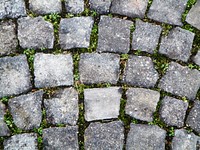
column 12, row 9
column 35, row 33
column 104, row 136
column 99, row 68
column 26, row 141
column 61, row 138
column 114, row 35
column 8, row 38
column 14, row 76
column 45, row 6
column 102, row 103
column 74, row 6
column 53, row 70
column 140, row 71
column 100, row 6
column 146, row 36
column 180, row 81
column 4, row 131
column 130, row 8
column 75, row 32
column 167, row 11
column 173, row 111
column 143, row 137
column 26, row 110
column 178, row 44
column 62, row 107
column 141, row 103
column 196, row 58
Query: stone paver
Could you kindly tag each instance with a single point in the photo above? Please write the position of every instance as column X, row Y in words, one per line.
column 167, row 11
column 142, row 137
column 99, row 68
column 100, row 6
column 196, row 58
column 14, row 75
column 26, row 141
column 4, row 131
column 53, row 70
column 104, row 136
column 140, row 71
column 178, row 44
column 141, row 103
column 45, row 6
column 75, row 32
column 74, row 6
column 146, row 36
column 130, row 8
column 180, row 81
column 173, row 111
column 102, row 103
column 26, row 110
column 62, row 107
column 114, row 35
column 61, row 138
column 35, row 33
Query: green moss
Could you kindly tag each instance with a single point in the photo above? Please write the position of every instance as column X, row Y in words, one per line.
column 166, row 29
column 30, row 53
column 93, row 38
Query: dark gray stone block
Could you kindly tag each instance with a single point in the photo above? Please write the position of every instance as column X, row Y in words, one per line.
column 196, row 58
column 74, row 6
column 100, row 6
column 4, row 131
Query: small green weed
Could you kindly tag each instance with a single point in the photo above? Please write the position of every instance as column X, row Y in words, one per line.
column 166, row 29
column 30, row 55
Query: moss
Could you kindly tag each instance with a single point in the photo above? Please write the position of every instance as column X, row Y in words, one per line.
column 30, row 53
column 166, row 29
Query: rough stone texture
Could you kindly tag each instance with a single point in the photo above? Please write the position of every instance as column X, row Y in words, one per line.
column 99, row 68
column 12, row 9
column 181, row 81
column 146, row 36
column 8, row 38
column 26, row 110
column 141, row 103
column 196, row 59
column 75, row 32
column 53, row 70
column 173, row 111
column 4, row 131
column 26, row 141
column 130, row 8
column 104, row 136
column 102, row 103
column 143, row 137
column 14, row 75
column 184, row 141
column 74, row 6
column 61, row 138
column 45, row 6
column 178, row 44
column 35, row 33
column 100, row 6
column 62, row 107
column 114, row 35
column 167, row 11
column 140, row 71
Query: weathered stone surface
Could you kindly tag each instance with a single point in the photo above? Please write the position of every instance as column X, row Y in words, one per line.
column 146, row 36
column 35, row 33
column 114, row 35
column 14, row 75
column 26, row 141
column 178, row 44
column 75, row 32
column 108, row 136
column 62, row 107
column 62, row 138
column 53, row 70
column 141, row 103
column 169, row 11
column 12, row 9
column 196, row 59
column 74, row 6
column 130, row 8
column 140, row 71
column 45, row 6
column 99, row 68
column 4, row 131
column 142, row 137
column 173, row 111
column 102, row 103
column 8, row 38
column 26, row 110
column 181, row 81
column 100, row 6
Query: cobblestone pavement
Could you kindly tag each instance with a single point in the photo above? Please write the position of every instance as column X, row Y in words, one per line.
column 100, row 74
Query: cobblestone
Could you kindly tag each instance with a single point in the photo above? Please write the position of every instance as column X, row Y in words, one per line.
column 4, row 131
column 74, row 6
column 196, row 59
column 100, row 6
